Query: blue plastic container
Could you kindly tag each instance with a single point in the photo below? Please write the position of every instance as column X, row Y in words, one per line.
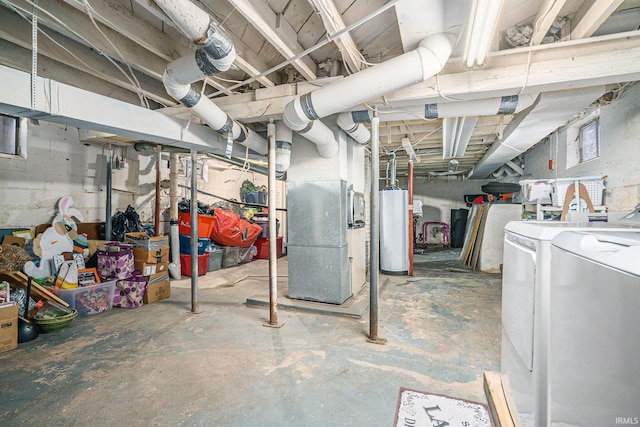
column 185, row 245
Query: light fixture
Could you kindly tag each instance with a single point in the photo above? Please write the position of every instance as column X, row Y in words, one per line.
column 453, row 165
column 456, row 133
column 483, row 22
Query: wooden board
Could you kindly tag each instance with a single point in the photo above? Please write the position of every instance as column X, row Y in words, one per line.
column 479, row 237
column 18, row 278
column 498, row 392
column 469, row 230
column 474, row 233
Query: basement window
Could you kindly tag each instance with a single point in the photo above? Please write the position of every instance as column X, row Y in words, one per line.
column 12, row 136
column 8, row 135
column 590, row 141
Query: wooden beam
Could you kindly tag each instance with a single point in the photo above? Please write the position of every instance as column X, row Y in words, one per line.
column 566, row 65
column 547, row 14
column 498, row 392
column 133, row 27
column 61, row 17
column 277, row 31
column 17, row 30
column 333, row 23
column 19, row 58
column 247, row 59
column 590, row 16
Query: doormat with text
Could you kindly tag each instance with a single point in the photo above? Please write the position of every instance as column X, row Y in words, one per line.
column 420, row 409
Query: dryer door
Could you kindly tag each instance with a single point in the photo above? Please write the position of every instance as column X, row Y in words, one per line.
column 518, row 295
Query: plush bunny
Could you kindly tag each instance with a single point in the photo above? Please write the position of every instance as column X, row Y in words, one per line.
column 56, row 239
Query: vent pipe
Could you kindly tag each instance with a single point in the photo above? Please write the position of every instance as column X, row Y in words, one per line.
column 352, row 122
column 215, row 53
column 413, row 67
column 284, row 136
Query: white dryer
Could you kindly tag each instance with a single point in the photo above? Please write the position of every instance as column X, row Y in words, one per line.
column 526, row 282
column 594, row 347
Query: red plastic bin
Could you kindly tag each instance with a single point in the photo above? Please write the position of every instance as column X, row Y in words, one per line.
column 205, row 224
column 185, row 264
column 263, row 248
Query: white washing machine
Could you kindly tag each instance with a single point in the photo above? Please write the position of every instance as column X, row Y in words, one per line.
column 526, row 280
column 594, row 347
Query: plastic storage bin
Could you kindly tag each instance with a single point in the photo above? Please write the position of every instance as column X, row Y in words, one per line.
column 89, row 300
column 185, row 245
column 263, row 248
column 185, row 264
column 205, row 224
column 263, row 221
column 593, row 184
column 215, row 259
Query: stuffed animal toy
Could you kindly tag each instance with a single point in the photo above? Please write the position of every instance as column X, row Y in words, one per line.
column 56, row 239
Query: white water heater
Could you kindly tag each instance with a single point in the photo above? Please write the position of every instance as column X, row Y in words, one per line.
column 394, row 231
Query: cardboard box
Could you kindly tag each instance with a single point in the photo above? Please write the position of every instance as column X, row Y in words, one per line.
column 93, row 245
column 147, row 269
column 13, row 240
column 144, row 241
column 157, row 291
column 152, row 257
column 158, row 277
column 8, row 327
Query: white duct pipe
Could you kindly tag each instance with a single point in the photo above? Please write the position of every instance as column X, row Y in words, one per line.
column 215, row 53
column 352, row 122
column 404, row 70
column 284, row 136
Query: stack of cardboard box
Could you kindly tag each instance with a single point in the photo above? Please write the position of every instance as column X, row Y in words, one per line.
column 151, row 256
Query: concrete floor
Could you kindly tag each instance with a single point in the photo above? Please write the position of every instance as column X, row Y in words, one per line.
column 160, row 365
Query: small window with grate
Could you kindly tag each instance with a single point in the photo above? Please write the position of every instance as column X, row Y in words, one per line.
column 590, row 141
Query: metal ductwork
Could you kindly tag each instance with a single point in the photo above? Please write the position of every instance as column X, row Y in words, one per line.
column 413, row 67
column 550, row 111
column 215, row 53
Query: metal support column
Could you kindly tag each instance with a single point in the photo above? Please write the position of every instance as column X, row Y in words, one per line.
column 273, row 230
column 107, row 220
column 374, row 257
column 194, row 231
column 156, row 218
column 410, row 191
column 173, row 215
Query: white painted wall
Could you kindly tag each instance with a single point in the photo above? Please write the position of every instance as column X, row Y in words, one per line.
column 59, row 164
column 439, row 196
column 619, row 153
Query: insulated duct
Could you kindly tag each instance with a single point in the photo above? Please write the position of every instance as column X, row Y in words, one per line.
column 215, row 53
column 284, row 136
column 413, row 67
column 352, row 122
column 550, row 111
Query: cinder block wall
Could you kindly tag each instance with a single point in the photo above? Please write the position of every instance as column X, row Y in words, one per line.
column 619, row 153
column 59, row 164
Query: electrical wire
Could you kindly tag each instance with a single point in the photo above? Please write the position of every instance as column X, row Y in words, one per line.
column 90, row 11
column 80, row 36
column 315, row 47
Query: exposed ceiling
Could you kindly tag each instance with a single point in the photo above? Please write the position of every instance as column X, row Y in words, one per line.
column 120, row 48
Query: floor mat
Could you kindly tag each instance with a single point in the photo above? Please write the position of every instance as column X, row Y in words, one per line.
column 420, row 409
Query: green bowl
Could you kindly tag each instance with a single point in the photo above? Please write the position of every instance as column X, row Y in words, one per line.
column 55, row 324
